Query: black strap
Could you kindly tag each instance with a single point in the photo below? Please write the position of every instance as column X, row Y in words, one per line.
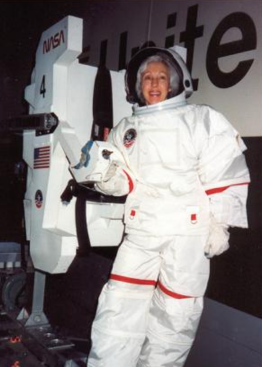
column 83, row 195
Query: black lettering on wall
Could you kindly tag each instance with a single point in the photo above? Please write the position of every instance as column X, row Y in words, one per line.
column 189, row 35
column 170, row 41
column 84, row 56
column 103, row 53
column 217, row 50
column 122, row 51
column 171, row 22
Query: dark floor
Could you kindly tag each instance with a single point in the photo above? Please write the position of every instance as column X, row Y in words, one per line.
column 79, row 290
column 70, row 304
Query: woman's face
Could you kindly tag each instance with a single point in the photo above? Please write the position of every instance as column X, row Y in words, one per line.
column 155, row 82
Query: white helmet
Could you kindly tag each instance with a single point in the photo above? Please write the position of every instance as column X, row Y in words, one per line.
column 174, row 56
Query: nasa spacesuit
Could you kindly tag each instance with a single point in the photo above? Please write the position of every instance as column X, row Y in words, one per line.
column 186, row 180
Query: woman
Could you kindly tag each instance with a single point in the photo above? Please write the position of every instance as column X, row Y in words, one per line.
column 186, row 180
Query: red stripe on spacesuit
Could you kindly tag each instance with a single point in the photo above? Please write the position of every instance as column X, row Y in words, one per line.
column 121, row 278
column 170, row 293
column 130, row 181
column 221, row 189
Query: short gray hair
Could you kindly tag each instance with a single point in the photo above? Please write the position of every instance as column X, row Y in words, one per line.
column 174, row 72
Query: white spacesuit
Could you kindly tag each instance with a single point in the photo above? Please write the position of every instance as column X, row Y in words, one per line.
column 187, row 183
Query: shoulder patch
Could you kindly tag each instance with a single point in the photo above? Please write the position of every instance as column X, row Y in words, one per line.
column 129, row 138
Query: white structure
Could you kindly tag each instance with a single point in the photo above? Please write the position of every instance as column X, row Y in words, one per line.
column 64, row 87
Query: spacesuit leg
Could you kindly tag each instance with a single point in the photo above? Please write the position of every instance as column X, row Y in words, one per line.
column 177, row 304
column 119, row 328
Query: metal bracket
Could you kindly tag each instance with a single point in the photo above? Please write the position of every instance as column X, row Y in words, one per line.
column 37, row 316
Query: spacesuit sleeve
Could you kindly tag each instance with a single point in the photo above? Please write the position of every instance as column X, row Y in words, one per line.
column 223, row 170
column 119, row 180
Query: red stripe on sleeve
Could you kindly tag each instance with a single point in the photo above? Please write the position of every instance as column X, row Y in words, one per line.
column 121, row 278
column 130, row 181
column 221, row 189
column 170, row 293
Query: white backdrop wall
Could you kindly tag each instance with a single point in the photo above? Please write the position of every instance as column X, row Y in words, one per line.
column 224, row 41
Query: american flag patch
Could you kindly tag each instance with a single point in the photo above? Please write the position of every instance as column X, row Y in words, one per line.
column 42, row 157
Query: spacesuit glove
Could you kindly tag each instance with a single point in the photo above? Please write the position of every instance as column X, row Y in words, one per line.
column 118, row 180
column 218, row 240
